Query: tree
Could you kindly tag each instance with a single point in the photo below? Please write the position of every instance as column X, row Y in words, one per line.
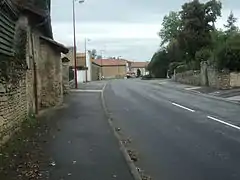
column 213, row 11
column 94, row 53
column 138, row 72
column 229, row 55
column 196, row 28
column 159, row 63
column 231, row 21
column 170, row 27
column 98, row 57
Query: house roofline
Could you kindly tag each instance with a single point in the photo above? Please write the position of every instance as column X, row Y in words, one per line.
column 60, row 46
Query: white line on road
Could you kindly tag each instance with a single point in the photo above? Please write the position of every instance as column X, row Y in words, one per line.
column 223, row 122
column 183, row 107
column 86, row 90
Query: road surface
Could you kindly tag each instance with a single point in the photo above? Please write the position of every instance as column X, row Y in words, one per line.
column 178, row 135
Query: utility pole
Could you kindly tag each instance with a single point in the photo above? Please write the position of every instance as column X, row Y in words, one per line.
column 74, row 42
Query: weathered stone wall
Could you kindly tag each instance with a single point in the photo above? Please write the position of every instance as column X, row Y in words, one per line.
column 235, row 79
column 14, row 106
column 49, row 76
column 65, row 77
column 189, row 77
column 13, row 110
column 217, row 79
column 209, row 76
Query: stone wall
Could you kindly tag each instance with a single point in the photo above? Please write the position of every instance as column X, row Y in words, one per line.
column 49, row 69
column 65, row 77
column 235, row 79
column 13, row 110
column 218, row 79
column 189, row 77
column 209, row 76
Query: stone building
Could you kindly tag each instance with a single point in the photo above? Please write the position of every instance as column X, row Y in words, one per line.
column 31, row 76
column 112, row 68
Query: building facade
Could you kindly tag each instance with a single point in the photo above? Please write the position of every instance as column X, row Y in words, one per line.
column 30, row 69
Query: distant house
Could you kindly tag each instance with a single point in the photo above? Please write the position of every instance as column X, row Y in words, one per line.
column 112, row 68
column 141, row 66
column 83, row 64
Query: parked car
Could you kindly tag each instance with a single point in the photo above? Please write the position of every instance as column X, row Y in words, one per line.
column 130, row 75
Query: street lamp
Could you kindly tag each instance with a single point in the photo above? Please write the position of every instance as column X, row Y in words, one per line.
column 74, row 41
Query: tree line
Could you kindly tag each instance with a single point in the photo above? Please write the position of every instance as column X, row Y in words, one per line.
column 189, row 37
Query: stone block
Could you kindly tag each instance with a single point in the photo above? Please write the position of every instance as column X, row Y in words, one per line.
column 2, row 88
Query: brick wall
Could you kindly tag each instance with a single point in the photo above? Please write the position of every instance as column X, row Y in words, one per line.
column 13, row 110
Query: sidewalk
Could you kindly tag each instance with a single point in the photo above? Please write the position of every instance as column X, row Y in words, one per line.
column 79, row 143
column 230, row 94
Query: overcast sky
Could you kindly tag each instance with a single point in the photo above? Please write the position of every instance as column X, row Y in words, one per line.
column 126, row 28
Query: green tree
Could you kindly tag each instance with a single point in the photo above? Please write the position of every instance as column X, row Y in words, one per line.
column 229, row 55
column 138, row 72
column 196, row 31
column 213, row 11
column 230, row 26
column 159, row 63
column 170, row 27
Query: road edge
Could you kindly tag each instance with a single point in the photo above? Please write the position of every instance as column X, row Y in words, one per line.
column 133, row 169
column 212, row 97
column 204, row 95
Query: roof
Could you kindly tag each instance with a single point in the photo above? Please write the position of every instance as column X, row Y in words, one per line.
column 59, row 46
column 139, row 64
column 110, row 62
column 39, row 11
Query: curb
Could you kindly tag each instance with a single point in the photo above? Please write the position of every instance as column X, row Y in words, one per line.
column 131, row 165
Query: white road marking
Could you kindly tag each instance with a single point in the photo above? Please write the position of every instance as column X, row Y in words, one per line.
column 86, row 90
column 183, row 107
column 223, row 122
column 192, row 88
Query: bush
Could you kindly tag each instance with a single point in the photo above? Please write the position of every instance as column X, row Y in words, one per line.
column 228, row 57
column 182, row 68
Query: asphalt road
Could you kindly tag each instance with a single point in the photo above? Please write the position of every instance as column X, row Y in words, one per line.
column 179, row 135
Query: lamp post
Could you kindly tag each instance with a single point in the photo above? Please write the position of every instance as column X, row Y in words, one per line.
column 74, row 42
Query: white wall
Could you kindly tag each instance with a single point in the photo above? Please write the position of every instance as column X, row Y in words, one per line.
column 81, row 76
column 89, row 66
